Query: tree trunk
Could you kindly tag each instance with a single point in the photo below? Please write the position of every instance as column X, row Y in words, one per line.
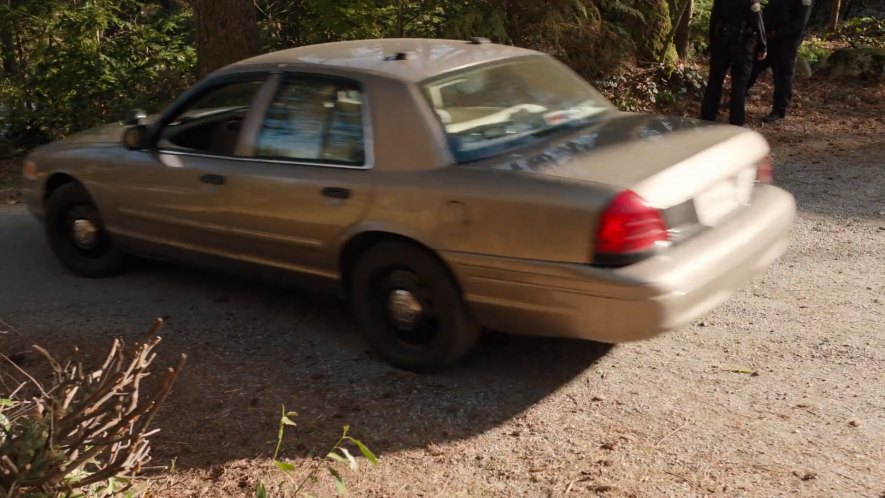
column 834, row 15
column 7, row 47
column 226, row 32
column 652, row 34
column 399, row 18
column 683, row 30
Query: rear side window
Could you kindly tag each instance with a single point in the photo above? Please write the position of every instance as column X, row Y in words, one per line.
column 314, row 120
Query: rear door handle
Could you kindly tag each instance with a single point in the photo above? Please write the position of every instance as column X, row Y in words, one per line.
column 213, row 179
column 337, row 192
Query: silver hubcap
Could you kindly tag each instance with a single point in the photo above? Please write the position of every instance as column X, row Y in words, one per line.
column 85, row 233
column 405, row 309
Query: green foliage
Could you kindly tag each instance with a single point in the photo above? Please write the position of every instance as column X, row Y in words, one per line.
column 646, row 89
column 593, row 38
column 75, row 64
column 337, row 454
column 861, row 32
column 814, row 50
column 288, row 23
column 700, row 26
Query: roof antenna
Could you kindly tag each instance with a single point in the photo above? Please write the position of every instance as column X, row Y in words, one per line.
column 479, row 40
column 400, row 56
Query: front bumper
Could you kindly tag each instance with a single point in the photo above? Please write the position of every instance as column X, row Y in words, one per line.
column 634, row 302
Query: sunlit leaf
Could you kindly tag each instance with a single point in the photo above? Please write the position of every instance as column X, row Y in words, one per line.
column 337, row 457
column 284, row 466
column 351, row 460
column 364, row 450
column 339, row 482
column 260, row 491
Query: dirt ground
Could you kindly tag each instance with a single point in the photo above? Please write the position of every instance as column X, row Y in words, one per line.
column 779, row 392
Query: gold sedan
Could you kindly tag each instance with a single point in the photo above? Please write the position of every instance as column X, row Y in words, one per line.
column 445, row 186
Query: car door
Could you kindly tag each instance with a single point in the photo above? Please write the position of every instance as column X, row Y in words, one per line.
column 309, row 176
column 175, row 195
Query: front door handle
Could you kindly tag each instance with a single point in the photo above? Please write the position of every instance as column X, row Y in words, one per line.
column 213, row 179
column 337, row 192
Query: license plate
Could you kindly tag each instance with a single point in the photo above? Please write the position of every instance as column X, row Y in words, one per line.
column 717, row 202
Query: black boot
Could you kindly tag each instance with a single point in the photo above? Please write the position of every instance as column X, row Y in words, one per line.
column 774, row 116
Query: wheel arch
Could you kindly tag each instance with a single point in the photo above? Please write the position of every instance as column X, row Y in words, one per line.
column 57, row 180
column 360, row 243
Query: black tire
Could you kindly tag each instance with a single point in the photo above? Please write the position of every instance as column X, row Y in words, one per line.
column 446, row 330
column 100, row 258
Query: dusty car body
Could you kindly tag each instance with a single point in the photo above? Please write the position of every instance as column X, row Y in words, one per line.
column 437, row 184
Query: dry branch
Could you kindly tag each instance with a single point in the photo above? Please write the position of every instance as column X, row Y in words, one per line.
column 89, row 426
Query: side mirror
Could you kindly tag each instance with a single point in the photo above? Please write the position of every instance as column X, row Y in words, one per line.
column 135, row 117
column 135, row 137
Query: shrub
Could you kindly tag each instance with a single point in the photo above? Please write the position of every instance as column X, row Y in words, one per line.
column 861, row 32
column 85, row 64
column 85, row 432
column 814, row 50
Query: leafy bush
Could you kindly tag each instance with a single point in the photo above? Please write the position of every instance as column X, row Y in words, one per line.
column 87, row 431
column 592, row 37
column 814, row 50
column 654, row 87
column 861, row 32
column 700, row 27
column 76, row 65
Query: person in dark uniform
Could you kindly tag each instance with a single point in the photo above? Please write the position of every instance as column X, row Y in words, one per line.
column 737, row 34
column 785, row 22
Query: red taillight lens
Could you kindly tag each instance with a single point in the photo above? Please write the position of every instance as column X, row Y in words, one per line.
column 764, row 170
column 29, row 170
column 628, row 224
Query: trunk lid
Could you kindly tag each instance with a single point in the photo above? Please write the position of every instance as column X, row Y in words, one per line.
column 694, row 171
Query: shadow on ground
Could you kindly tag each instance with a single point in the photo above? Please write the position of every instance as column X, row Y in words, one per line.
column 839, row 183
column 253, row 346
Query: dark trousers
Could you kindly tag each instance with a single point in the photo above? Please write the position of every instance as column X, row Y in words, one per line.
column 782, row 61
column 736, row 55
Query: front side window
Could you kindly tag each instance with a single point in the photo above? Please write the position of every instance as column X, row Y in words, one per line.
column 211, row 123
column 314, row 120
column 488, row 110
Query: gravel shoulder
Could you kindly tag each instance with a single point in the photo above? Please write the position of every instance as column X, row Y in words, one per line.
column 778, row 392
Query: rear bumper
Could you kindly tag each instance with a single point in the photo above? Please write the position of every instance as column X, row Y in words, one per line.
column 634, row 302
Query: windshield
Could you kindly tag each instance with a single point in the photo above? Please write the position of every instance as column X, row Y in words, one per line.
column 488, row 110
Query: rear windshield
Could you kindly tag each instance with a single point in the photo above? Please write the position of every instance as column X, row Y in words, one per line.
column 492, row 109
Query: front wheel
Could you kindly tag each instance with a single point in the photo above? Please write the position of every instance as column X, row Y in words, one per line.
column 77, row 235
column 410, row 308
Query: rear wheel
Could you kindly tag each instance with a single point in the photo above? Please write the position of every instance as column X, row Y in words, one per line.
column 410, row 308
column 77, row 235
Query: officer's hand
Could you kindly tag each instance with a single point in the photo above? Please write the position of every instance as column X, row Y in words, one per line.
column 762, row 55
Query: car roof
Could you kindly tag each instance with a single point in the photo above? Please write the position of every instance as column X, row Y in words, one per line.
column 425, row 57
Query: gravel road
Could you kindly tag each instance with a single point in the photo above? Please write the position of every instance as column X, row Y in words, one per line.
column 779, row 392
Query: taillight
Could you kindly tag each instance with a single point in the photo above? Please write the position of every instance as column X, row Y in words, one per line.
column 29, row 170
column 764, row 170
column 629, row 225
